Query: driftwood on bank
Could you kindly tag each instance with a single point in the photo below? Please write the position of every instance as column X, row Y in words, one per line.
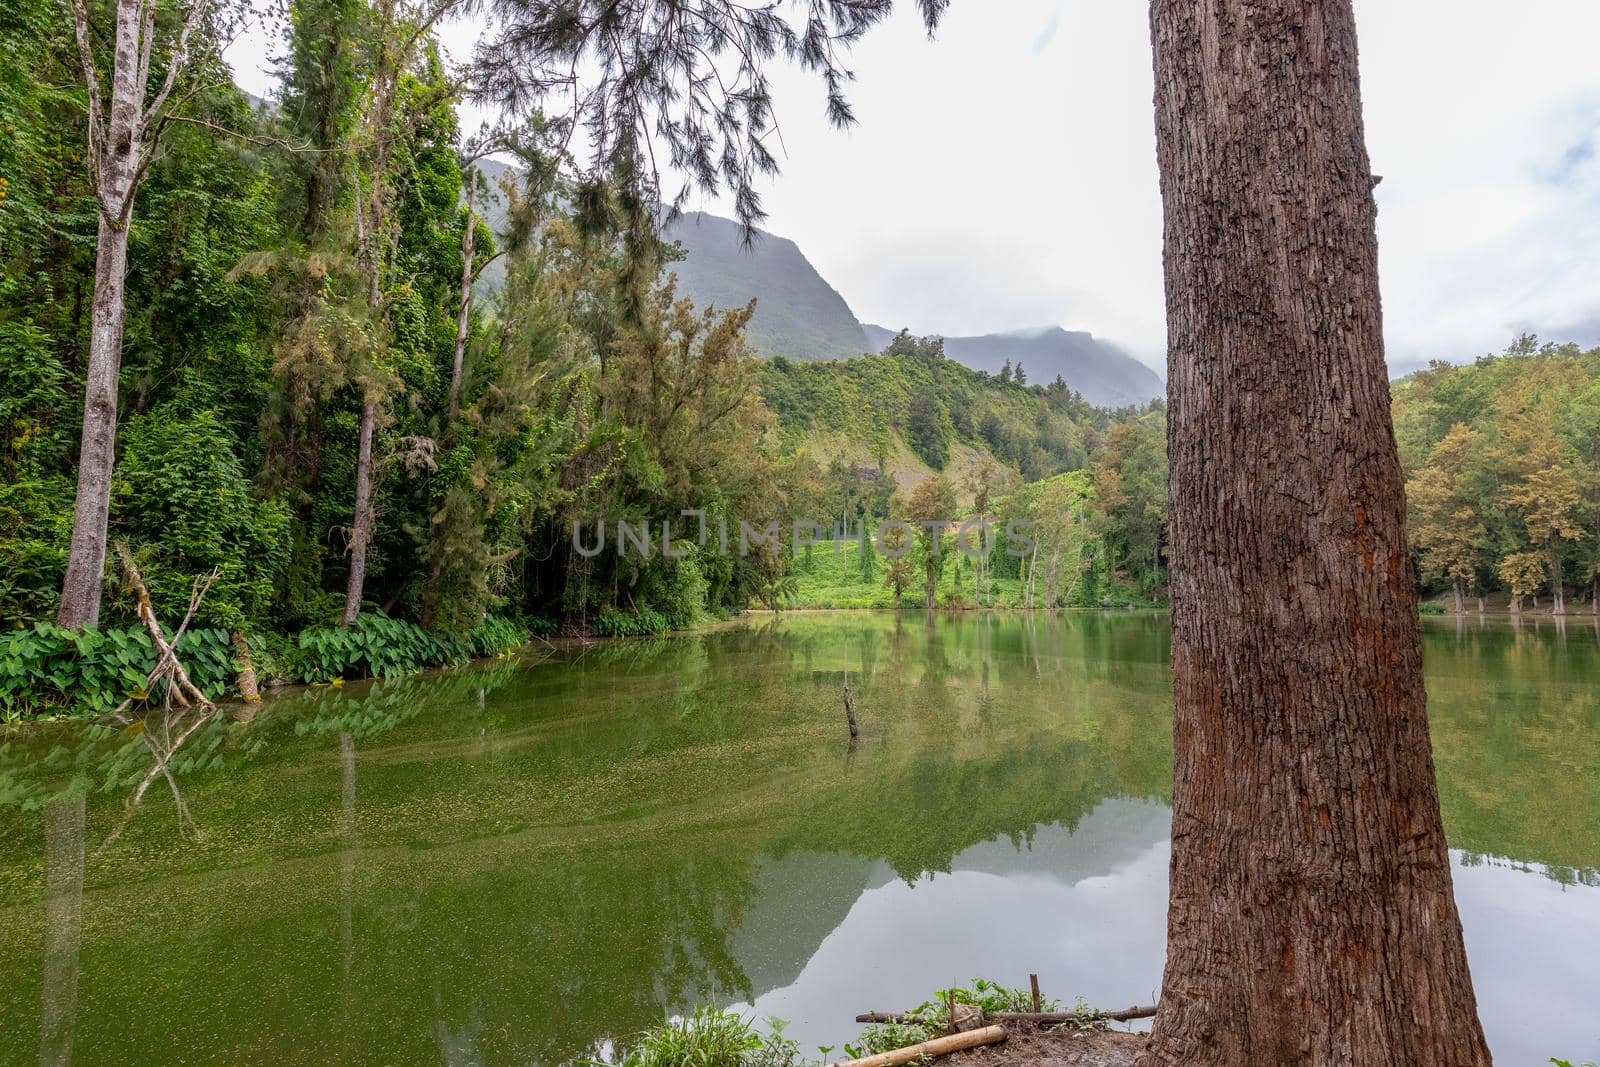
column 939, row 1046
column 1044, row 1018
column 180, row 690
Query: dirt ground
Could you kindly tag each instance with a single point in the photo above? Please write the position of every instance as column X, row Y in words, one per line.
column 1026, row 1043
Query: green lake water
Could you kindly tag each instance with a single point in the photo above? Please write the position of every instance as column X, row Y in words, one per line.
column 520, row 861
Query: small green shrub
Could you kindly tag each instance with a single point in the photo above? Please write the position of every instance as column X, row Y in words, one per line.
column 711, row 1038
column 497, row 634
column 1430, row 607
column 637, row 624
column 539, row 626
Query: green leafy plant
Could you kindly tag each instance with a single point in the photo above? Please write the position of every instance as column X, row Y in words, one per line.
column 45, row 669
column 637, row 624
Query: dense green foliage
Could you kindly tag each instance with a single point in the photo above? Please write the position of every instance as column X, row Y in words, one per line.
column 1503, row 464
column 293, row 284
column 912, row 390
column 45, row 668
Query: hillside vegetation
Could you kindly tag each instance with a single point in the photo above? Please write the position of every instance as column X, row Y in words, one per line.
column 1102, row 372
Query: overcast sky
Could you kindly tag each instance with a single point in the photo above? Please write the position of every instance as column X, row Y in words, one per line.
column 1003, row 175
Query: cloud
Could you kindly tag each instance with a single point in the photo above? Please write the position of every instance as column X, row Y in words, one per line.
column 1048, row 34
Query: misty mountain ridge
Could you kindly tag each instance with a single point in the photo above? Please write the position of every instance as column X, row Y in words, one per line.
column 801, row 316
column 1106, row 375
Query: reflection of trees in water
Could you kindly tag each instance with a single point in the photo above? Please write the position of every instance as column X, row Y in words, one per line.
column 63, row 908
column 1515, row 720
column 539, row 859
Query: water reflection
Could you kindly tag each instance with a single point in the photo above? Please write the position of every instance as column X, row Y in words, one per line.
column 525, row 862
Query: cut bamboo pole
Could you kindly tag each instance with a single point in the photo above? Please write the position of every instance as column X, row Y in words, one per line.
column 939, row 1046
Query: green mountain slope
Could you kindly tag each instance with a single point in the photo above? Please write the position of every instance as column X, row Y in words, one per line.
column 912, row 414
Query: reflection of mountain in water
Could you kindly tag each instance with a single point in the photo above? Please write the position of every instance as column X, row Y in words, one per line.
column 537, row 860
column 799, row 899
column 803, row 897
column 1108, row 838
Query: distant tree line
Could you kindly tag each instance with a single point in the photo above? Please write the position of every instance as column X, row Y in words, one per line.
column 1503, row 475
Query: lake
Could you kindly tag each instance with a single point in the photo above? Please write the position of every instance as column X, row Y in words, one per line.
column 522, row 860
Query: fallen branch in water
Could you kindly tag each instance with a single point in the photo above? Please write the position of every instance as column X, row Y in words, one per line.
column 939, row 1046
column 1041, row 1017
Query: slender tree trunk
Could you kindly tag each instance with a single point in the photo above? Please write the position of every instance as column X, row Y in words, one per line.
column 1311, row 918
column 86, row 559
column 1558, row 594
column 1461, row 597
column 361, row 528
column 464, row 308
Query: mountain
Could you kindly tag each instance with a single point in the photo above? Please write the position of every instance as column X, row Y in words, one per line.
column 798, row 314
column 1105, row 374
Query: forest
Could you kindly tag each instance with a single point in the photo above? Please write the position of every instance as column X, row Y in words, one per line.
column 1502, row 459
column 370, row 466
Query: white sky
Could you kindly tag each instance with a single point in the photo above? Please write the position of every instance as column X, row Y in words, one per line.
column 1003, row 175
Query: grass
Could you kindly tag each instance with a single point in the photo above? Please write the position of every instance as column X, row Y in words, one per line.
column 834, row 580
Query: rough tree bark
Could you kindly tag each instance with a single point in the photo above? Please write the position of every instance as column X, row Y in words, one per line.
column 1311, row 918
column 121, row 132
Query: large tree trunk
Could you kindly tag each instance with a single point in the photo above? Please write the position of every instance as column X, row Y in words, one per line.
column 1461, row 596
column 361, row 526
column 1311, row 918
column 86, row 559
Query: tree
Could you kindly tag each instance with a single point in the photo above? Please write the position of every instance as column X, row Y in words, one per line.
column 1523, row 573
column 895, row 544
column 124, row 129
column 1062, row 533
column 1545, row 493
column 925, row 431
column 931, row 507
column 981, row 484
column 1446, row 524
column 1311, row 917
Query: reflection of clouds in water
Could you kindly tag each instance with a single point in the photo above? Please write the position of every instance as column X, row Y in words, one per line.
column 1085, row 910
column 1534, row 947
column 1086, row 919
